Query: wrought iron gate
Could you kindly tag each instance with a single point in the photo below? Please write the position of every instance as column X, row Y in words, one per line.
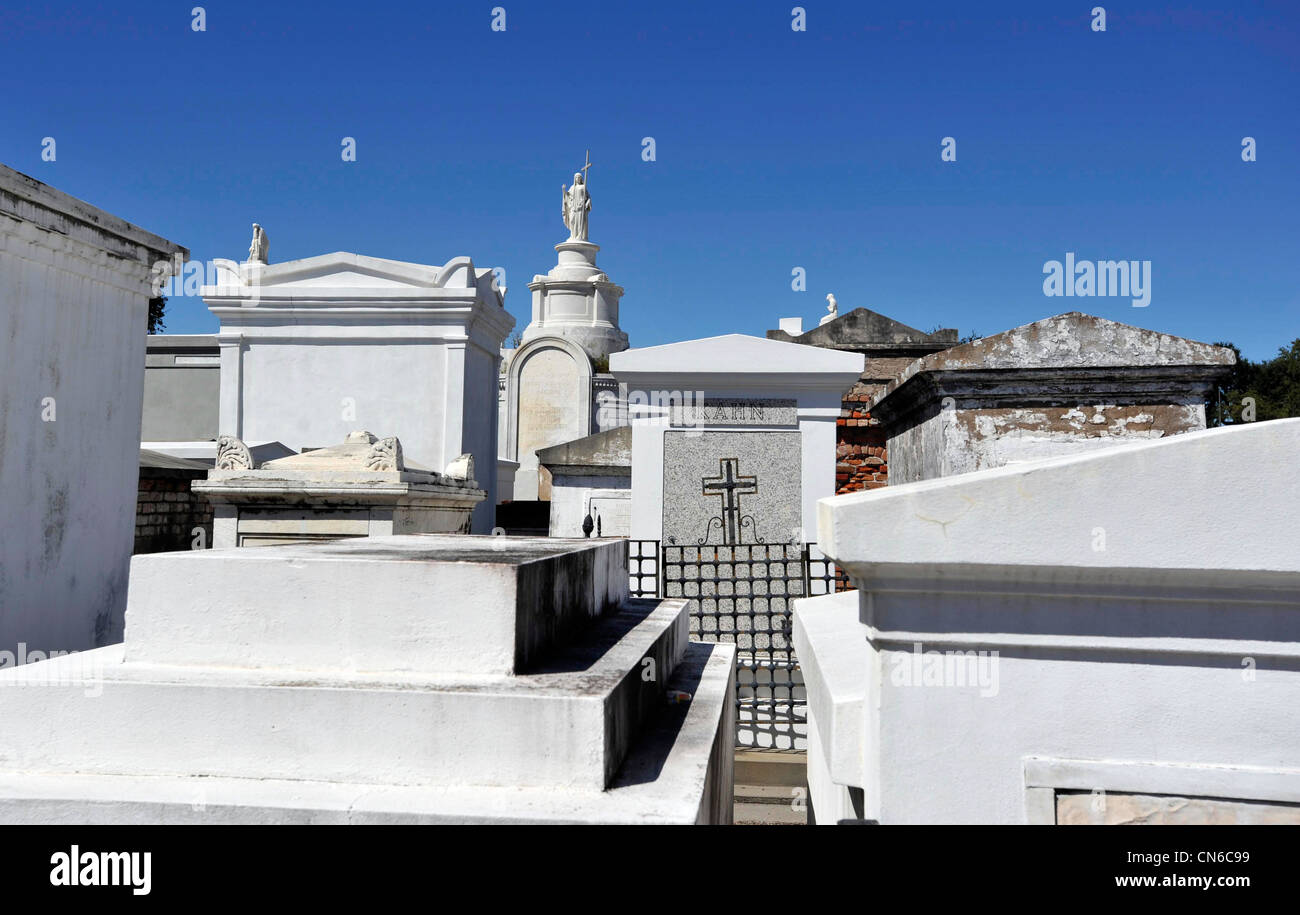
column 741, row 593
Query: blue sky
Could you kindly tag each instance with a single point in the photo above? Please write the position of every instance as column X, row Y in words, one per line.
column 775, row 149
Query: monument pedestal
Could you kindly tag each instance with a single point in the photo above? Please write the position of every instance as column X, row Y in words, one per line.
column 422, row 678
column 575, row 300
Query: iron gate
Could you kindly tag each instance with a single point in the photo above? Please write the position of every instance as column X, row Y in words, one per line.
column 741, row 593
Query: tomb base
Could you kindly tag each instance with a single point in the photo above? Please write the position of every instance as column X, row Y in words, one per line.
column 419, row 679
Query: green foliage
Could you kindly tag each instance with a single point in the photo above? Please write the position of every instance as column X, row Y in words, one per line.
column 1274, row 385
column 156, row 323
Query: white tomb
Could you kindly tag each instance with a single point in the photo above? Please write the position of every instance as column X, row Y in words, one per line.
column 312, row 349
column 591, row 484
column 1107, row 637
column 361, row 488
column 733, row 443
column 75, row 284
column 728, row 397
column 405, row 679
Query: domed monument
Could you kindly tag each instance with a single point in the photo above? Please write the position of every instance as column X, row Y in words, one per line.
column 557, row 387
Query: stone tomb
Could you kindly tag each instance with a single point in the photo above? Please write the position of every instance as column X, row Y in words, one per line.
column 591, row 491
column 733, row 437
column 313, row 349
column 889, row 347
column 405, row 679
column 733, row 443
column 75, row 284
column 1121, row 624
column 361, row 488
column 1063, row 385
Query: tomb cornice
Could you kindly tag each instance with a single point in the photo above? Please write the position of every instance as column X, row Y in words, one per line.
column 1043, row 387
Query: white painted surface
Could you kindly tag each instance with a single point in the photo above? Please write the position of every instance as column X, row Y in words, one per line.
column 75, row 285
column 1172, row 642
column 312, row 674
column 472, row 610
column 680, row 775
column 576, row 300
column 506, row 470
column 314, row 348
column 735, row 366
column 206, row 452
column 831, row 644
column 574, row 496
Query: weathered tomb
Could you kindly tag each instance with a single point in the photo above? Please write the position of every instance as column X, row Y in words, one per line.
column 889, row 347
column 556, row 385
column 1062, row 385
column 75, row 284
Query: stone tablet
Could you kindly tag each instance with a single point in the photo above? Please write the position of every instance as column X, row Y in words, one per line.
column 731, row 487
column 736, row 412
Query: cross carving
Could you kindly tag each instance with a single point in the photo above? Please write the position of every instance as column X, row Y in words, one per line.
column 729, row 486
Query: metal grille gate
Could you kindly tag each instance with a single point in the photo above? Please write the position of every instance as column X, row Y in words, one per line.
column 742, row 593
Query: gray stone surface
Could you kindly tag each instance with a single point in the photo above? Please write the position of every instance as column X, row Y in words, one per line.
column 182, row 388
column 736, row 411
column 1111, row 809
column 862, row 329
column 889, row 346
column 765, row 466
column 607, row 453
column 1057, row 386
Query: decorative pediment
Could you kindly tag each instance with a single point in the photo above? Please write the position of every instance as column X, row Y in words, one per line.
column 345, row 275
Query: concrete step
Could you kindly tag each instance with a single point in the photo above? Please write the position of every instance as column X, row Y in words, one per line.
column 671, row 776
column 769, row 815
column 567, row 724
column 782, row 768
column 769, row 794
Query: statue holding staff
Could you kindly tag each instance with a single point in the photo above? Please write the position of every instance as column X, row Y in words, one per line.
column 575, row 204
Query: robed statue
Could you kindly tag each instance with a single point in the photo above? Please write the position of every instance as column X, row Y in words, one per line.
column 257, row 251
column 576, row 205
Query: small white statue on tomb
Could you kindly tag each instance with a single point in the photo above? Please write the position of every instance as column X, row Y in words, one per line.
column 258, row 250
column 832, row 309
column 575, row 203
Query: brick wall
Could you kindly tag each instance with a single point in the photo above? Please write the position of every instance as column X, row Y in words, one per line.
column 860, row 458
column 166, row 511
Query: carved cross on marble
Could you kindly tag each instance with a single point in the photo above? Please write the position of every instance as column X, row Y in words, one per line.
column 729, row 486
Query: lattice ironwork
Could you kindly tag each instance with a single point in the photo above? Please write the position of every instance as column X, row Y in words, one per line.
column 741, row 593
column 643, row 568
